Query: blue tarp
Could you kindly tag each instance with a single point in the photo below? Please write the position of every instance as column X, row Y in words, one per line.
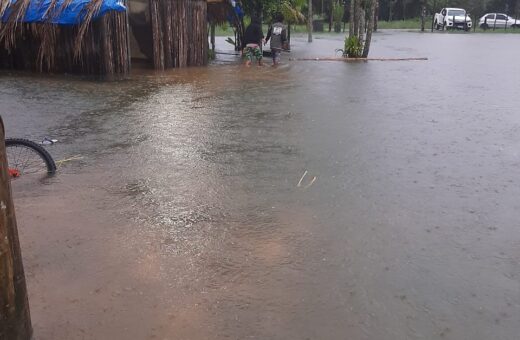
column 73, row 14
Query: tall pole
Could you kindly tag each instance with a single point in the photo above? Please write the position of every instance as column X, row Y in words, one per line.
column 15, row 319
column 434, row 9
column 309, row 22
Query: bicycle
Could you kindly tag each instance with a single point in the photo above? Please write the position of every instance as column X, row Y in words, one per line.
column 25, row 157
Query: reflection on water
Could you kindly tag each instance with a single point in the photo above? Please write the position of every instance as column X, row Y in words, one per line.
column 182, row 218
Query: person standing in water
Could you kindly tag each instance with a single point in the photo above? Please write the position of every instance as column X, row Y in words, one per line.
column 253, row 38
column 278, row 35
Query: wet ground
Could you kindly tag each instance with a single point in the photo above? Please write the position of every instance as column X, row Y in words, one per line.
column 180, row 214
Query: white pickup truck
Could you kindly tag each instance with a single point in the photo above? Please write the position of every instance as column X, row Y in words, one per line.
column 451, row 18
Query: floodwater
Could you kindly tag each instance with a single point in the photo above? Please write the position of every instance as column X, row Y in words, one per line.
column 177, row 212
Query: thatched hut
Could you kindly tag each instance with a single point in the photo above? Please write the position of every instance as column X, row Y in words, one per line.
column 97, row 36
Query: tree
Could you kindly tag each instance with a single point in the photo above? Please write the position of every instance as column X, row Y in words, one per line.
column 309, row 21
column 370, row 27
column 362, row 13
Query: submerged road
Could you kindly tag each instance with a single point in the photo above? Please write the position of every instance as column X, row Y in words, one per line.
column 180, row 215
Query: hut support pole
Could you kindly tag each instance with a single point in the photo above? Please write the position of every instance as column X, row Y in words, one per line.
column 15, row 320
column 107, row 53
column 157, row 36
column 212, row 38
column 128, row 49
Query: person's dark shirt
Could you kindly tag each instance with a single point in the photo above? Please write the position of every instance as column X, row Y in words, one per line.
column 253, row 34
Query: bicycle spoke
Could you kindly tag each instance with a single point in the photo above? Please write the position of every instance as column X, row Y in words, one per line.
column 26, row 161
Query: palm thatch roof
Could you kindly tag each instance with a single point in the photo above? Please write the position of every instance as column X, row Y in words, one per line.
column 15, row 13
column 45, row 28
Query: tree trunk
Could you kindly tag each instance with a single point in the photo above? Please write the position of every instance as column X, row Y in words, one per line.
column 15, row 319
column 330, row 16
column 370, row 27
column 357, row 10
column 362, row 15
column 351, row 30
column 423, row 17
column 309, row 22
column 434, row 8
column 376, row 17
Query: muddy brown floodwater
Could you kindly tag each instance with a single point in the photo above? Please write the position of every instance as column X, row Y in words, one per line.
column 180, row 216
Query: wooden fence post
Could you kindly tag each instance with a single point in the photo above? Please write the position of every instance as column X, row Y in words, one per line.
column 15, row 319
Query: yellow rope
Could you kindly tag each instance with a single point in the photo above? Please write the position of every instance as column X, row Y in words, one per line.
column 73, row 158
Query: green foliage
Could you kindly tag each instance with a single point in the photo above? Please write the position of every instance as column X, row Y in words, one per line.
column 211, row 54
column 230, row 41
column 353, row 47
column 337, row 12
column 291, row 10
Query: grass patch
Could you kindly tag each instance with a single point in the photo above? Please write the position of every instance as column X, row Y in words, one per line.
column 402, row 24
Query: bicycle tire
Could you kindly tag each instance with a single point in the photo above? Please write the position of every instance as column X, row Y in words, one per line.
column 35, row 157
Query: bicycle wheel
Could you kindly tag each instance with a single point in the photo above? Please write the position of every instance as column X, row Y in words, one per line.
column 25, row 157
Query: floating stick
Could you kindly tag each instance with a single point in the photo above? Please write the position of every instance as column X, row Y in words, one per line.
column 73, row 158
column 311, row 182
column 301, row 179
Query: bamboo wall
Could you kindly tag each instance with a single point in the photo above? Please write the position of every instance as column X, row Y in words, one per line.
column 102, row 49
column 179, row 31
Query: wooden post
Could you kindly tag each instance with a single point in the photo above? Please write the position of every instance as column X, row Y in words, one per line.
column 15, row 319
column 212, row 38
column 309, row 22
column 157, row 35
column 289, row 36
column 128, row 49
column 107, row 51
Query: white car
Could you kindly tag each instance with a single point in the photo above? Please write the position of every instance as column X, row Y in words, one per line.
column 450, row 18
column 498, row 20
